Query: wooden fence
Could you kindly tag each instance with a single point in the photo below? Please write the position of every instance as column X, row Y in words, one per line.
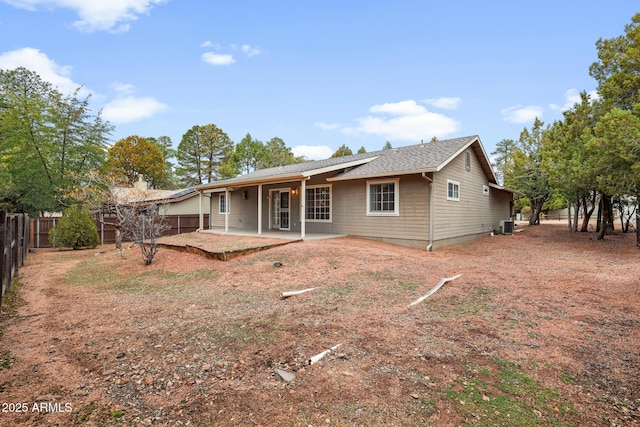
column 14, row 244
column 178, row 224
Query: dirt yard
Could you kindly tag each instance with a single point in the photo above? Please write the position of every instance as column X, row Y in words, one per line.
column 542, row 328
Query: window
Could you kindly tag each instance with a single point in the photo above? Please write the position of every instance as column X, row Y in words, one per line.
column 453, row 190
column 318, row 203
column 222, row 203
column 382, row 197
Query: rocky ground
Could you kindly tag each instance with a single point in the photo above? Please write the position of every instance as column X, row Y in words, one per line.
column 542, row 328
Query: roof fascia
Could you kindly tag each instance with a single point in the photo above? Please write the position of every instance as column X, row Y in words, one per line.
column 488, row 170
column 210, row 188
column 456, row 154
column 502, row 188
column 381, row 175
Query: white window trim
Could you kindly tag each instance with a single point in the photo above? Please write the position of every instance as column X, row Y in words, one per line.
column 220, row 197
column 456, row 183
column 396, row 198
column 330, row 203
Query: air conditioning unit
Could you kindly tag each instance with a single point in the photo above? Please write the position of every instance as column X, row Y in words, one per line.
column 506, row 226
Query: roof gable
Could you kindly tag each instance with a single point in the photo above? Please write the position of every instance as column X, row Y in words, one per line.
column 427, row 157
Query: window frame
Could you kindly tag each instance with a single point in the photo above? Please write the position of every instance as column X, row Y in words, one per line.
column 306, row 198
column 453, row 196
column 222, row 200
column 396, row 197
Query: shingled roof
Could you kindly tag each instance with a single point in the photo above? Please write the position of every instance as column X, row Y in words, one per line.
column 427, row 157
column 127, row 195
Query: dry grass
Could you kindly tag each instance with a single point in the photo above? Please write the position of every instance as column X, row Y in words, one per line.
column 542, row 329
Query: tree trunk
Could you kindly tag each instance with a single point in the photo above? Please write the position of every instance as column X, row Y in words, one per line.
column 118, row 238
column 536, row 210
column 588, row 212
column 606, row 223
column 575, row 216
column 569, row 219
column 638, row 225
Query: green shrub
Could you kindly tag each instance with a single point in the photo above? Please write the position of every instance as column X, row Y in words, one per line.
column 75, row 229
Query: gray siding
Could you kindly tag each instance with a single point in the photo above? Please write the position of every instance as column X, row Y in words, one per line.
column 187, row 206
column 350, row 211
column 475, row 213
column 243, row 213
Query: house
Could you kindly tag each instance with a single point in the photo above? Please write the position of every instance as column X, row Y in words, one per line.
column 429, row 196
column 175, row 202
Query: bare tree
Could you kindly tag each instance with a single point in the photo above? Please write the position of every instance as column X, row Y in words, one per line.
column 143, row 224
column 134, row 217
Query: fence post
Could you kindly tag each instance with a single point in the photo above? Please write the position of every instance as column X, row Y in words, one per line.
column 13, row 231
column 101, row 228
column 18, row 239
column 26, row 238
column 3, row 251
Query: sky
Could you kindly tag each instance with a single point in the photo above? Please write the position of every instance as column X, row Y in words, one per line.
column 316, row 74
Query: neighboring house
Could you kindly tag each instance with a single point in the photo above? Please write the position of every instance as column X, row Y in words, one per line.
column 428, row 196
column 176, row 202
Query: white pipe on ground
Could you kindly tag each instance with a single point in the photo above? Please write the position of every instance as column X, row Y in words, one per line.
column 435, row 288
column 287, row 294
column 317, row 357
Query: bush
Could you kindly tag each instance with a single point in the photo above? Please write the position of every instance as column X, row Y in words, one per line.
column 75, row 229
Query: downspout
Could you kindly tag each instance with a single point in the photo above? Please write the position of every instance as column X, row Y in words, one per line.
column 259, row 209
column 303, row 202
column 200, row 211
column 226, row 209
column 431, row 213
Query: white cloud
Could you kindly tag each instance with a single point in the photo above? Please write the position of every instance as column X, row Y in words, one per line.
column 122, row 88
column 402, row 108
column 217, row 58
column 400, row 121
column 250, row 51
column 520, row 114
column 96, row 15
column 328, row 126
column 313, row 152
column 34, row 60
column 444, row 103
column 130, row 109
column 572, row 97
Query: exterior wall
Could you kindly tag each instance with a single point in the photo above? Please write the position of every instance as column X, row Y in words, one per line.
column 349, row 213
column 243, row 213
column 475, row 214
column 190, row 206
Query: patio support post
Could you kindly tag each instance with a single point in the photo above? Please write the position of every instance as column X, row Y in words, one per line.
column 226, row 210
column 259, row 209
column 201, row 216
column 303, row 216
